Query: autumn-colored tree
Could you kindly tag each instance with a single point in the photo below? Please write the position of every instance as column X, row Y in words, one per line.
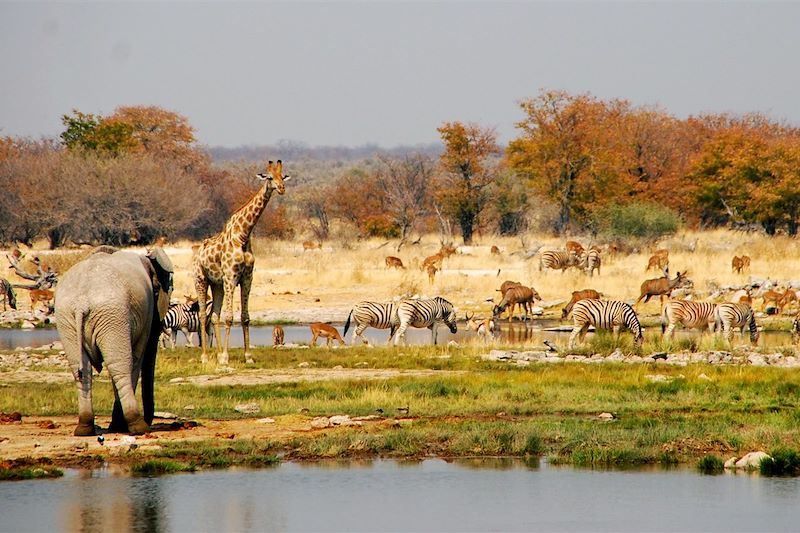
column 136, row 129
column 468, row 170
column 569, row 154
column 406, row 185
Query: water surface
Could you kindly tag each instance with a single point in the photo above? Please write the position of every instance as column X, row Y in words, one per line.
column 431, row 495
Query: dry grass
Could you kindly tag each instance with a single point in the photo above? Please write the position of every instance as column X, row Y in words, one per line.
column 342, row 273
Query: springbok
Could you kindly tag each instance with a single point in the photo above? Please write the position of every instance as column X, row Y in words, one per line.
column 659, row 260
column 327, row 332
column 311, row 245
column 483, row 327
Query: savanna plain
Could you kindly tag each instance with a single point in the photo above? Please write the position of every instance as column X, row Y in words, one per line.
column 423, row 400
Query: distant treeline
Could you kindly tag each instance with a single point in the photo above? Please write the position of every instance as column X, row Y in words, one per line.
column 578, row 164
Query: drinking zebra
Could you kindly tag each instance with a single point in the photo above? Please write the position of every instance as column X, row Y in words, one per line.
column 604, row 314
column 690, row 314
column 740, row 316
column 186, row 318
column 7, row 294
column 557, row 260
column 424, row 314
column 372, row 314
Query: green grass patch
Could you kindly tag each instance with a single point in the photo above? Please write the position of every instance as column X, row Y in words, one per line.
column 158, row 467
column 783, row 463
column 29, row 472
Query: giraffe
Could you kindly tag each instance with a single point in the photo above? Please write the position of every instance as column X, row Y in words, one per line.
column 226, row 260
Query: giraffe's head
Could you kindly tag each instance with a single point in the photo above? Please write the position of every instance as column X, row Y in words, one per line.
column 274, row 176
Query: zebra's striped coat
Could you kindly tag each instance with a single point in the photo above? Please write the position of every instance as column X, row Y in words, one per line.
column 729, row 316
column 557, row 260
column 690, row 314
column 425, row 314
column 378, row 315
column 604, row 314
column 186, row 318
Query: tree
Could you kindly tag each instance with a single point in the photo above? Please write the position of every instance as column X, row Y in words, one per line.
column 468, row 171
column 135, row 129
column 567, row 154
column 407, row 185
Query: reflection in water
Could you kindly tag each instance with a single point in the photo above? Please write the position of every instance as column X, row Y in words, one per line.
column 121, row 504
column 430, row 495
column 529, row 334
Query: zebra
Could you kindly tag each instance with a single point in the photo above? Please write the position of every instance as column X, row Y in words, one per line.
column 796, row 328
column 7, row 294
column 590, row 261
column 424, row 314
column 186, row 318
column 557, row 259
column 728, row 316
column 690, row 314
column 372, row 314
column 604, row 314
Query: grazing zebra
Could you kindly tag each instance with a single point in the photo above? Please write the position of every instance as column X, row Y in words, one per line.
column 557, row 259
column 424, row 314
column 7, row 294
column 690, row 314
column 372, row 314
column 604, row 314
column 186, row 318
column 590, row 261
column 740, row 316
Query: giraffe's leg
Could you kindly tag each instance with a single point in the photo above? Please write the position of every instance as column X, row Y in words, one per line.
column 227, row 315
column 245, row 284
column 218, row 298
column 201, row 286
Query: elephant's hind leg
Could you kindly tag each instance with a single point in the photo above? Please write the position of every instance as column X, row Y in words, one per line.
column 124, row 372
column 83, row 378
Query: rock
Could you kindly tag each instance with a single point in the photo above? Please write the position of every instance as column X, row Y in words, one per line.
column 657, row 378
column 189, row 407
column 266, row 420
column 730, row 463
column 321, row 422
column 344, row 420
column 26, row 324
column 177, row 380
column 606, row 416
column 616, row 356
column 756, row 360
column 165, row 415
column 704, row 377
column 247, row 408
column 752, row 460
column 338, row 367
column 304, row 364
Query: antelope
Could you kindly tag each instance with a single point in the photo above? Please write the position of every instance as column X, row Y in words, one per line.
column 736, row 264
column 277, row 336
column 311, row 245
column 483, row 327
column 507, row 285
column 788, row 297
column 745, row 262
column 41, row 295
column 394, row 262
column 495, row 250
column 447, row 250
column 742, row 296
column 432, row 260
column 517, row 295
column 771, row 296
column 659, row 259
column 431, row 269
column 577, row 296
column 574, row 246
column 327, row 332
column 661, row 287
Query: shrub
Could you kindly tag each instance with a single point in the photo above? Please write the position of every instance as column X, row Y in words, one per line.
column 711, row 464
column 637, row 221
column 783, row 463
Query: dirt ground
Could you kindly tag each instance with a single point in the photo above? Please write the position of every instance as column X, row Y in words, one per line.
column 39, row 437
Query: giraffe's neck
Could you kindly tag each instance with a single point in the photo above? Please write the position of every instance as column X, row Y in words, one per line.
column 244, row 220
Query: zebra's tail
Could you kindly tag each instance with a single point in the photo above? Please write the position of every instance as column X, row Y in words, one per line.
column 347, row 324
column 664, row 319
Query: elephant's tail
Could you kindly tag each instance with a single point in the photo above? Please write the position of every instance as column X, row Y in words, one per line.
column 80, row 317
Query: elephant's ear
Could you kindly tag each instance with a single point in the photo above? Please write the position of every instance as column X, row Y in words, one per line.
column 161, row 272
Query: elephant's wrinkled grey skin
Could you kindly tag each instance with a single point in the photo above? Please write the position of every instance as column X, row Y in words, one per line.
column 108, row 310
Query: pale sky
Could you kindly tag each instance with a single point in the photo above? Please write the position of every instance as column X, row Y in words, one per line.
column 350, row 73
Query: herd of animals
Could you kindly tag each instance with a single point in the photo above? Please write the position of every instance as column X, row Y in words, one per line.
column 112, row 308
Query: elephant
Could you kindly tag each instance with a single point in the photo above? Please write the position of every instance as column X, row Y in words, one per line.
column 108, row 310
